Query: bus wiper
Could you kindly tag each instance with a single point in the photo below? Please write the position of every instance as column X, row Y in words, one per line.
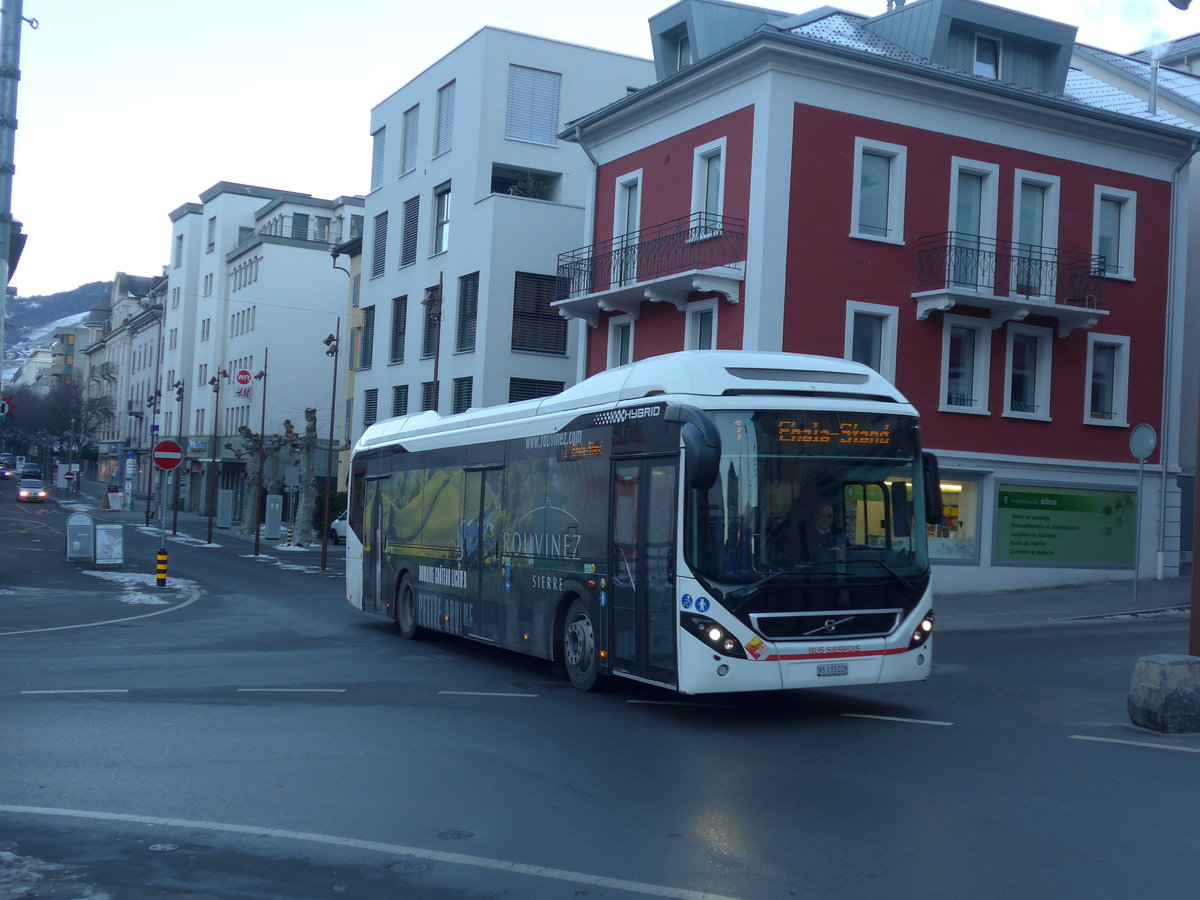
column 908, row 586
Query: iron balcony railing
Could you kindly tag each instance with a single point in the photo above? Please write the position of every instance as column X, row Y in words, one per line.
column 967, row 262
column 698, row 241
column 317, row 229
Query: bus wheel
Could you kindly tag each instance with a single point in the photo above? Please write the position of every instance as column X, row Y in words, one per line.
column 579, row 646
column 406, row 608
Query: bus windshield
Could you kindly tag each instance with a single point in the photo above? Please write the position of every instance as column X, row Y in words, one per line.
column 811, row 496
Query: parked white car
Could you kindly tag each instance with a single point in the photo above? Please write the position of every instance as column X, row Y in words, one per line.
column 337, row 529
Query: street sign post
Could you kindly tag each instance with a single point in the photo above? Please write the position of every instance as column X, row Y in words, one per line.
column 167, row 454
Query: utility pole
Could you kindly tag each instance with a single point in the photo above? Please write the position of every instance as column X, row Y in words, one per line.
column 10, row 76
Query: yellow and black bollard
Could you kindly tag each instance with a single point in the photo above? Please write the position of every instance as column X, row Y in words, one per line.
column 162, row 567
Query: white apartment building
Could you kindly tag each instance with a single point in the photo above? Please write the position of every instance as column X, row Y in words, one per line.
column 472, row 198
column 251, row 281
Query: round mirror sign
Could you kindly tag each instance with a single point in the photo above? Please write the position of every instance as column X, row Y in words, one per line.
column 1142, row 441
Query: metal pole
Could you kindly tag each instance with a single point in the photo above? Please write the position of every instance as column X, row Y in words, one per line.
column 179, row 468
column 260, row 502
column 212, row 483
column 329, row 479
column 10, row 77
column 1137, row 540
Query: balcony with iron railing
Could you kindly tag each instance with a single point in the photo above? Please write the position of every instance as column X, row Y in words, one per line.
column 662, row 263
column 1010, row 280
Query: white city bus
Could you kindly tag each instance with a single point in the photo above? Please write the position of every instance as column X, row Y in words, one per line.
column 627, row 526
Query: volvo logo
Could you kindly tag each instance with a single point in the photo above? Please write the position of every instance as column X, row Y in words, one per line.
column 830, row 626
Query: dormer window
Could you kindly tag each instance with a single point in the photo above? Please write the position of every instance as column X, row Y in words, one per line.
column 683, row 52
column 987, row 57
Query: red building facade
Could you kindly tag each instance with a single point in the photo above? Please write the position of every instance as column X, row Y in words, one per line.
column 1000, row 249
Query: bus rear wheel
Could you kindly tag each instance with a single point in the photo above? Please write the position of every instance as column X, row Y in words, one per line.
column 406, row 608
column 579, row 647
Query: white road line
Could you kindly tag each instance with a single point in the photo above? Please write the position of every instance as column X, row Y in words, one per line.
column 1102, row 740
column 84, row 691
column 188, row 602
column 462, row 859
column 486, row 694
column 895, row 719
column 291, row 690
column 682, row 703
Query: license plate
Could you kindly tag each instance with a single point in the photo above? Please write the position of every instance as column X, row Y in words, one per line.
column 833, row 669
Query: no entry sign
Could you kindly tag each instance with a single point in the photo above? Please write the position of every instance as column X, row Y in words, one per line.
column 167, row 454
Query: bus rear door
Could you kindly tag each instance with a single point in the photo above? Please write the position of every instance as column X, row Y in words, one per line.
column 641, row 615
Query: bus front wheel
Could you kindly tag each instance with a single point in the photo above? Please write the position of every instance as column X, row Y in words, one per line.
column 406, row 608
column 579, row 646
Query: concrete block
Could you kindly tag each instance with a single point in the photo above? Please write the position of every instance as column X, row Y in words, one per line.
column 1164, row 693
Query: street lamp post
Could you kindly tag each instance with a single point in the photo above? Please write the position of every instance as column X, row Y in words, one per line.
column 331, row 349
column 262, row 438
column 433, row 310
column 152, row 405
column 215, row 381
column 178, row 386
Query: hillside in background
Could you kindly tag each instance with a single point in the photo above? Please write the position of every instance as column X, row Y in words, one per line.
column 30, row 320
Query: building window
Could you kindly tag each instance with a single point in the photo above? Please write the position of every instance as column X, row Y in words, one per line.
column 399, row 329
column 1113, row 222
column 532, row 111
column 878, row 196
column 537, row 327
column 468, row 312
column 408, row 140
column 620, row 341
column 441, row 218
column 370, row 406
column 708, row 190
column 408, row 237
column 973, row 209
column 1027, row 372
column 626, row 223
column 955, row 538
column 377, row 159
column 173, row 339
column 433, row 326
column 212, row 234
column 379, row 251
column 1035, row 235
column 462, row 394
column 966, row 359
column 177, row 259
column 531, row 388
column 366, row 353
column 987, row 58
column 1107, row 380
column 444, row 125
column 355, row 289
column 683, row 52
column 871, row 336
column 208, row 284
column 400, row 400
column 700, row 330
column 205, row 329
column 429, row 394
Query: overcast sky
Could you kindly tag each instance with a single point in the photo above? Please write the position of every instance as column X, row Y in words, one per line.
column 129, row 108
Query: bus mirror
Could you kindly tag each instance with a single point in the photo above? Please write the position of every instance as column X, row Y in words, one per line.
column 933, row 488
column 901, row 510
column 701, row 444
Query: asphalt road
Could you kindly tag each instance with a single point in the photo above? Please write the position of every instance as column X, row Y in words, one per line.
column 246, row 734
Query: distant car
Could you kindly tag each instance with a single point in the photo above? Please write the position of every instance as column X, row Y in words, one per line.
column 337, row 529
column 30, row 470
column 31, row 490
column 8, row 467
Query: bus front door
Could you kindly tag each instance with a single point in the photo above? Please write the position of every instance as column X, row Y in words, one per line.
column 641, row 606
column 374, row 544
column 481, row 548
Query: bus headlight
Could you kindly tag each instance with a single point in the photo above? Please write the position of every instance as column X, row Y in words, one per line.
column 922, row 632
column 712, row 635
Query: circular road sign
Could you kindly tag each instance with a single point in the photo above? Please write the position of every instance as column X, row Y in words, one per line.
column 167, row 454
column 1142, row 441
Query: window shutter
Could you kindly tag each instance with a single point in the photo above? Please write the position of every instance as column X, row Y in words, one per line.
column 531, row 388
column 377, row 159
column 537, row 326
column 445, row 120
column 462, row 394
column 468, row 312
column 400, row 400
column 408, row 140
column 532, row 110
column 379, row 253
column 408, row 240
column 399, row 331
column 367, row 354
column 370, row 406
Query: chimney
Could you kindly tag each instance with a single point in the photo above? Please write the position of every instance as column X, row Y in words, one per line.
column 1154, row 87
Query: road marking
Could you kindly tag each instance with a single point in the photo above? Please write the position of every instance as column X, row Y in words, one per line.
column 486, row 694
column 462, row 859
column 291, row 690
column 84, row 691
column 188, row 602
column 895, row 719
column 1101, row 740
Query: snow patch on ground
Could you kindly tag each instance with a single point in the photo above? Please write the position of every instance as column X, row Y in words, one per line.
column 133, row 585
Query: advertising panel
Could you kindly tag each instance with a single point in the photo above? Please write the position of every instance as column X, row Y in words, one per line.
column 1063, row 526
